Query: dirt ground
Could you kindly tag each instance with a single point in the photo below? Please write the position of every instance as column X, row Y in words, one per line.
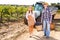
column 13, row 32
column 54, row 35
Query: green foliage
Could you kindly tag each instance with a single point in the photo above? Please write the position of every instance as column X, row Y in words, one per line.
column 12, row 12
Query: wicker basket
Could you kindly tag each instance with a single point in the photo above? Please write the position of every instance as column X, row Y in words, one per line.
column 39, row 28
column 52, row 26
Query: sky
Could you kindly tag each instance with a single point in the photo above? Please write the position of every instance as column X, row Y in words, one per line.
column 26, row 2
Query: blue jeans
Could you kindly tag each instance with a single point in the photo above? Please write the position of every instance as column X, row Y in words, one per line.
column 46, row 28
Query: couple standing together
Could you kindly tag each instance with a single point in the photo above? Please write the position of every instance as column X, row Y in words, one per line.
column 46, row 19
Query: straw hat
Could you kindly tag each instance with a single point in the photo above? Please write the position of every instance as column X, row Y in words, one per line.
column 45, row 3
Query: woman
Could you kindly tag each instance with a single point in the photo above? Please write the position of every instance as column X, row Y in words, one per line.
column 46, row 19
column 30, row 16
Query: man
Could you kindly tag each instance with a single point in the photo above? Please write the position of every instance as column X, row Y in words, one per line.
column 46, row 19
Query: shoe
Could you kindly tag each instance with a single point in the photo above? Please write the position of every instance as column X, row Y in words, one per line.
column 44, row 34
column 47, row 37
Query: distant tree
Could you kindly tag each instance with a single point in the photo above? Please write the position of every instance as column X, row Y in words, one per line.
column 58, row 5
column 53, row 4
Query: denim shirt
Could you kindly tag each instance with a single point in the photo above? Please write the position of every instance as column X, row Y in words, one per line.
column 46, row 15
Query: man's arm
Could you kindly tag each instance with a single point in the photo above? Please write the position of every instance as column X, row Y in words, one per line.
column 50, row 16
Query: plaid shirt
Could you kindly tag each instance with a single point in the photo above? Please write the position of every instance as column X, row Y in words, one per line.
column 46, row 14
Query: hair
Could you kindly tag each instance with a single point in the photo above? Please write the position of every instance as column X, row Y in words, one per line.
column 30, row 9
